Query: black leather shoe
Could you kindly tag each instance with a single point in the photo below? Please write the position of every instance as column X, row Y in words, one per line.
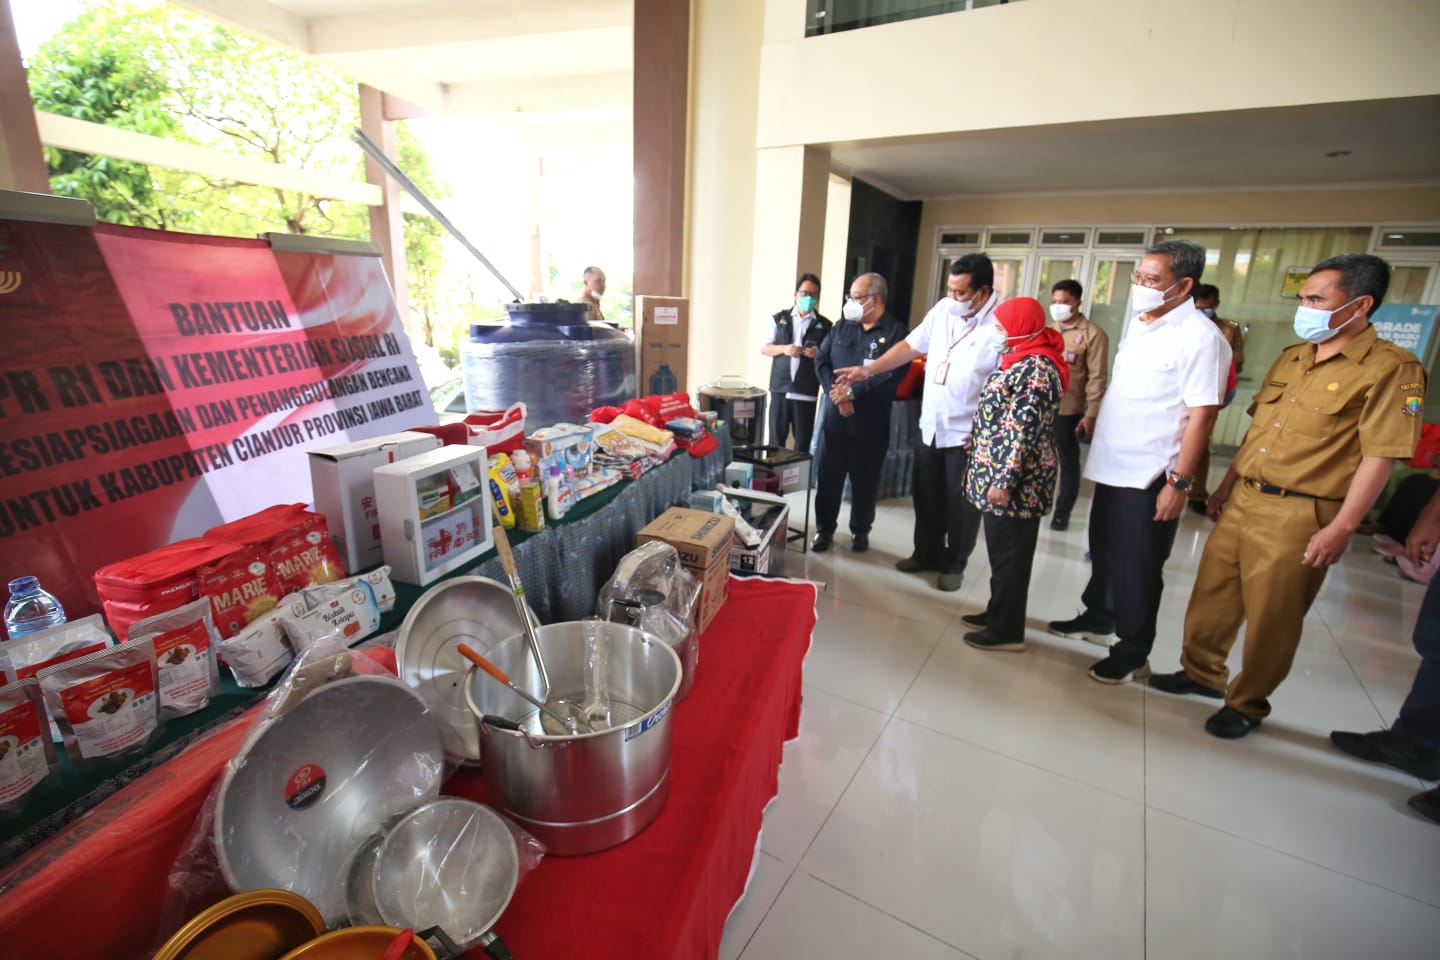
column 821, row 543
column 981, row 619
column 1382, row 746
column 1230, row 724
column 985, row 640
column 1427, row 804
column 1060, row 523
column 913, row 564
column 860, row 542
column 1180, row 683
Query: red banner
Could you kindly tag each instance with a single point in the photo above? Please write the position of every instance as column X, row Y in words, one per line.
column 153, row 385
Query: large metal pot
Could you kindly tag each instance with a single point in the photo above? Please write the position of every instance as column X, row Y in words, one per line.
column 578, row 793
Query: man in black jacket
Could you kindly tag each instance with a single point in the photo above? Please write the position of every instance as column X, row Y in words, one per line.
column 795, row 336
column 854, row 420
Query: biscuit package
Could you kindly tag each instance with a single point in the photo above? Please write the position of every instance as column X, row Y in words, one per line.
column 186, row 647
column 240, row 588
column 105, row 703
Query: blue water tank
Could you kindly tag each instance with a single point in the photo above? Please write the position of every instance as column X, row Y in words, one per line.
column 552, row 359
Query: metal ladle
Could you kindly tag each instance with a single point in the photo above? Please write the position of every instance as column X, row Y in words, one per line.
column 568, row 722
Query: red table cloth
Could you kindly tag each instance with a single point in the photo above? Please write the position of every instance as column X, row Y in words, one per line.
column 98, row 889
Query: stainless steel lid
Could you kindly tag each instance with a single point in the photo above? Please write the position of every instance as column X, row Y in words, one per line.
column 473, row 610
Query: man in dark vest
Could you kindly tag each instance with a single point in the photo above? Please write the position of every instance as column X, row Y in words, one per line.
column 795, row 336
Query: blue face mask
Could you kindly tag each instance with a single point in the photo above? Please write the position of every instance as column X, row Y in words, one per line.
column 806, row 303
column 1313, row 324
column 1208, row 311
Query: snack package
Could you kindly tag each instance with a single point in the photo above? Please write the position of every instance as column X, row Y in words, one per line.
column 27, row 754
column 239, row 587
column 532, row 508
column 106, row 703
column 500, row 491
column 296, row 540
column 186, row 649
column 306, row 556
column 379, row 580
column 258, row 653
column 352, row 615
column 46, row 648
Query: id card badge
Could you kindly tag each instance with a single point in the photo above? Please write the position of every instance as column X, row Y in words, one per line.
column 867, row 361
column 942, row 370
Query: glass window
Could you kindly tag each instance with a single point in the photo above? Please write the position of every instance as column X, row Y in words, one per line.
column 1408, row 239
column 1119, row 238
column 1009, row 237
column 967, row 238
column 1064, row 238
column 1053, row 270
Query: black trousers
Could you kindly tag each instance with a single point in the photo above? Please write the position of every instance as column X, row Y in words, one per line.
column 1010, row 543
column 1067, row 450
column 1128, row 550
column 946, row 525
column 858, row 456
column 786, row 414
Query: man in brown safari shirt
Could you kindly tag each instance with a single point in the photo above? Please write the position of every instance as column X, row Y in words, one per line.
column 1328, row 422
column 1087, row 350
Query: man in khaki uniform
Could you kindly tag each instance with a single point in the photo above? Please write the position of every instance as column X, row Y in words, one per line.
column 1328, row 422
column 1087, row 351
column 1207, row 301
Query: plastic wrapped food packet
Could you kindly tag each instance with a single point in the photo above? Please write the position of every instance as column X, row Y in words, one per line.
column 258, row 653
column 45, row 648
column 379, row 580
column 351, row 615
column 185, row 643
column 107, row 702
column 240, row 588
column 27, row 754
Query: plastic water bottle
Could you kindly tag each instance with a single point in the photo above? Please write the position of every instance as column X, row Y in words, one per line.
column 31, row 608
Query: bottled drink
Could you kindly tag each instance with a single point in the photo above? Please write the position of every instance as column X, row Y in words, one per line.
column 31, row 608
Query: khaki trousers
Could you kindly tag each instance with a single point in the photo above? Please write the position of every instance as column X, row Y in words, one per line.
column 1251, row 572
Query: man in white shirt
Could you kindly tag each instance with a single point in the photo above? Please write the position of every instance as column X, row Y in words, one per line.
column 793, row 339
column 1165, row 389
column 958, row 338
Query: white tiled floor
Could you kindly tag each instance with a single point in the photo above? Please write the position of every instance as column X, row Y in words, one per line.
column 948, row 802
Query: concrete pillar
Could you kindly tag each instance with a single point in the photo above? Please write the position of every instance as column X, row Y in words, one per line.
column 22, row 161
column 661, row 113
column 791, row 194
column 387, row 224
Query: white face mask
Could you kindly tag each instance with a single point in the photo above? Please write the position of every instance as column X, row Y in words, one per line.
column 1313, row 324
column 1060, row 312
column 1145, row 299
column 853, row 310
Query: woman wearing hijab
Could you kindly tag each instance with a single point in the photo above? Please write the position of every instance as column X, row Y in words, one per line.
column 1011, row 479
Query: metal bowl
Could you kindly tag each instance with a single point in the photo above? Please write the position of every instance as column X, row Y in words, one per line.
column 451, row 864
column 310, row 785
column 473, row 610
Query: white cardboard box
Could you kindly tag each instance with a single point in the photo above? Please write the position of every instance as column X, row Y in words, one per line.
column 342, row 479
column 769, row 555
column 421, row 550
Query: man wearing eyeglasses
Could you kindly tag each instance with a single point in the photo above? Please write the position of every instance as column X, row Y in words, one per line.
column 1165, row 389
column 958, row 338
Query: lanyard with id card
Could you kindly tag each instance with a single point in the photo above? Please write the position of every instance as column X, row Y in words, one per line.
column 942, row 369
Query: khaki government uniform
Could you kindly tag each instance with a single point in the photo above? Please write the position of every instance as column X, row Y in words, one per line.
column 1234, row 336
column 1090, row 346
column 1311, row 425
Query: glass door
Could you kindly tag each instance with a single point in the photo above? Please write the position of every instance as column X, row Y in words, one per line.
column 1107, row 293
column 1011, row 270
column 1054, row 269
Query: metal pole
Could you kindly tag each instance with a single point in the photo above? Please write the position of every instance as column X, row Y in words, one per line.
column 378, row 155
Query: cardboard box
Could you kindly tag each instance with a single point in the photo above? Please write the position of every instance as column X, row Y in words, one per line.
column 768, row 513
column 342, row 480
column 703, row 541
column 662, row 334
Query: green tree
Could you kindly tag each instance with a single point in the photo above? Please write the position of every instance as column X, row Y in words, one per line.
column 155, row 69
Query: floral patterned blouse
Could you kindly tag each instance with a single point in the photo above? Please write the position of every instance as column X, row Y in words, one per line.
column 1014, row 439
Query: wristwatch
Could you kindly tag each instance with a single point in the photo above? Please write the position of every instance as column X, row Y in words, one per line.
column 1180, row 482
